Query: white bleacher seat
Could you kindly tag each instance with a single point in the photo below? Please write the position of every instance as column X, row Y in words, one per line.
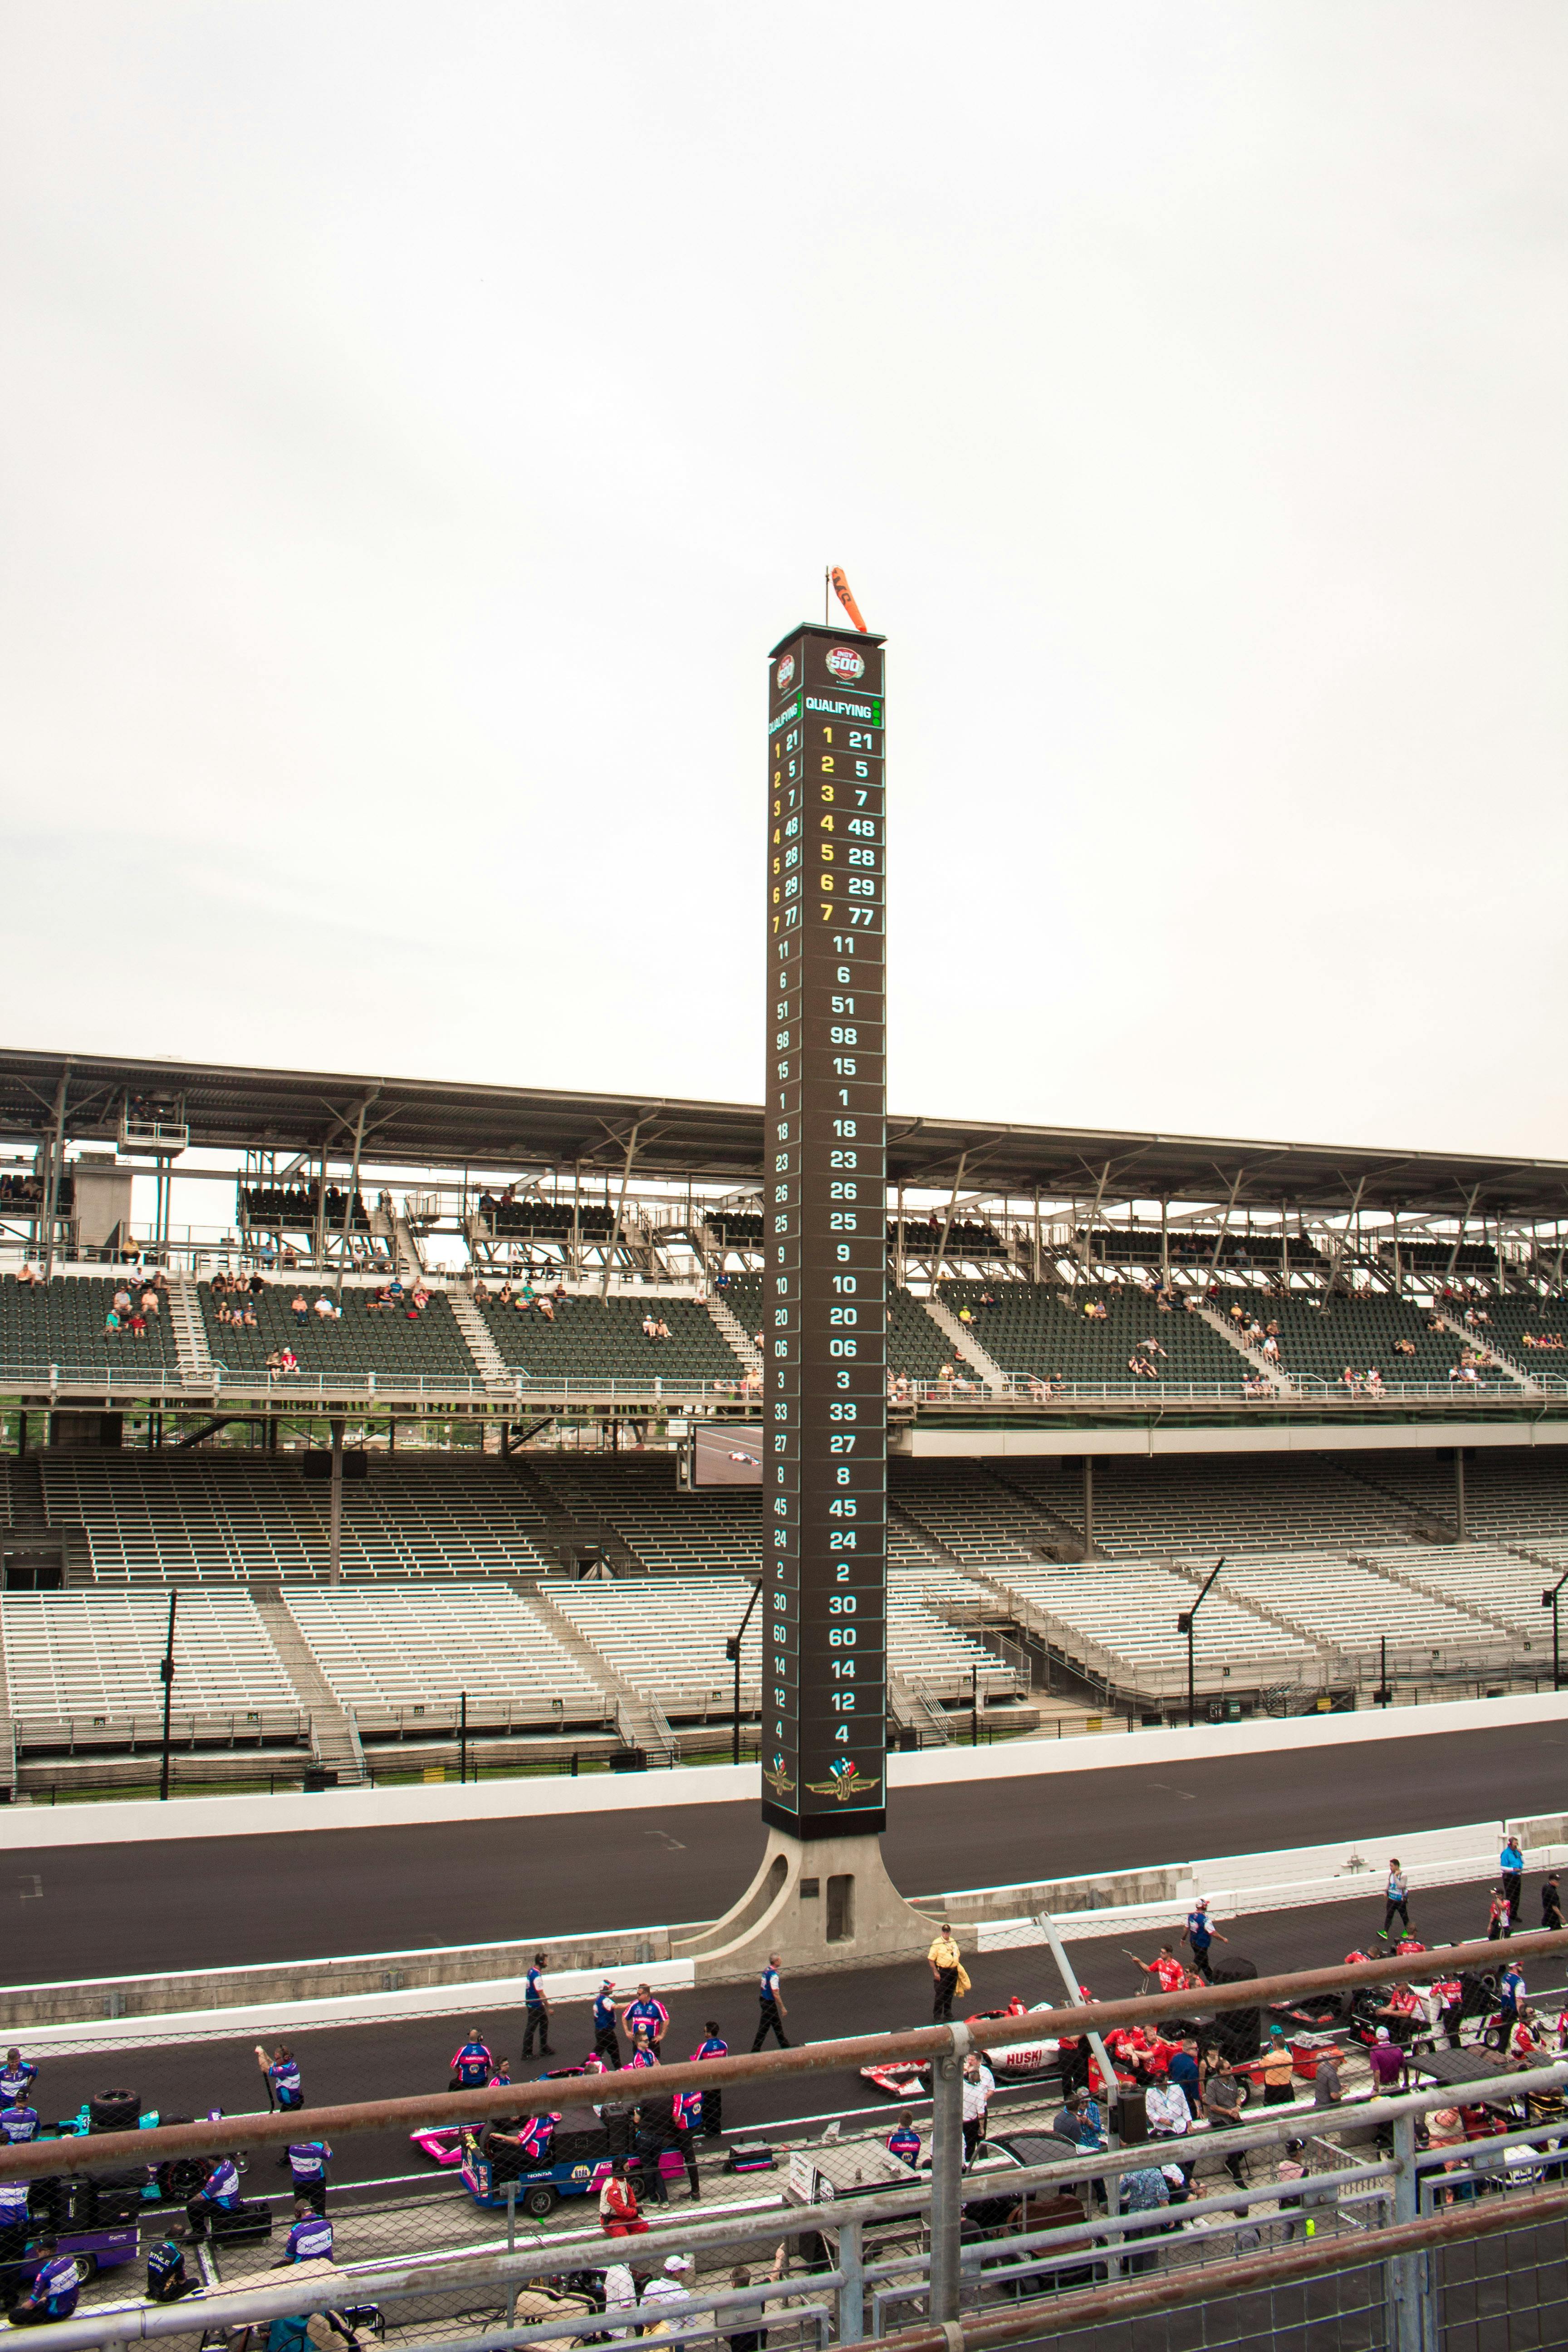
column 391, row 1653
column 80, row 1656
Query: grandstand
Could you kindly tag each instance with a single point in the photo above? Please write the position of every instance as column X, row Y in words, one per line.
column 1105, row 1433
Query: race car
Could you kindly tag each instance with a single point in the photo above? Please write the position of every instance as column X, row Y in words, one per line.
column 443, row 2143
column 1010, row 2061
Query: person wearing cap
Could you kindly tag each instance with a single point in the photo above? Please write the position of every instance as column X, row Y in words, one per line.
column 606, row 2043
column 946, row 1967
column 1279, row 2071
column 1199, row 1934
column 16, row 2079
column 53, row 2290
column 1388, row 2061
column 673, row 2284
column 310, row 2239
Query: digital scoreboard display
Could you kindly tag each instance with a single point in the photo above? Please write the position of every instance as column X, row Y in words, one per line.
column 825, row 1424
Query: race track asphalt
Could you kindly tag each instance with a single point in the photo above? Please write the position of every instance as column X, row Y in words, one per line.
column 131, row 1909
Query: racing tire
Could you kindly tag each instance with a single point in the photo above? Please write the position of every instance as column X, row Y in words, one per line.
column 539, row 2203
column 113, row 2111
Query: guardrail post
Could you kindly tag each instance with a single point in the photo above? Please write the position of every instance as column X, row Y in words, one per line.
column 947, row 2176
column 1408, row 2276
column 852, row 2293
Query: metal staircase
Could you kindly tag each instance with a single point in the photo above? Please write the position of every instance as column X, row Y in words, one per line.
column 732, row 1330
column 1278, row 1380
column 966, row 1345
column 334, row 1741
column 190, row 1332
column 1483, row 1339
column 478, row 1338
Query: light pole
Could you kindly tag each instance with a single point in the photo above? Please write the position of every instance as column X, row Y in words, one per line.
column 1549, row 1601
column 166, row 1675
column 733, row 1652
column 1184, row 1626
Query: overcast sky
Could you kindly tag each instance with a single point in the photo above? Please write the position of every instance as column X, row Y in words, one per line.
column 419, row 421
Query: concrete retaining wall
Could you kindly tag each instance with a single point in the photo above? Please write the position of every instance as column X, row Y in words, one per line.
column 24, row 1828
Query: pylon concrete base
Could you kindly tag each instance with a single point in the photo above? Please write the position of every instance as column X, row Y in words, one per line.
column 817, row 1903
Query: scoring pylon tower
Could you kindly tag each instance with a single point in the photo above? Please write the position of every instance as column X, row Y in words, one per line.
column 823, row 1891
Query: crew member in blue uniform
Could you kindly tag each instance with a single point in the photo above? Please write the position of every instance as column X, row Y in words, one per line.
column 606, row 2044
column 712, row 2045
column 473, row 2065
column 773, row 2012
column 282, row 2075
column 16, row 2078
column 219, row 2193
column 310, row 2239
column 536, row 2005
column 53, row 2290
column 307, row 2161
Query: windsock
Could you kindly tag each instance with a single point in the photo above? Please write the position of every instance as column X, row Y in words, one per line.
column 841, row 590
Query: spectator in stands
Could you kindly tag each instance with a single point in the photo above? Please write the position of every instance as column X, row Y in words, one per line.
column 299, row 1307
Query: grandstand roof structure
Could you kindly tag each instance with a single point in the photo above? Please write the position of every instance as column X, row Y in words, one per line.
column 420, row 1122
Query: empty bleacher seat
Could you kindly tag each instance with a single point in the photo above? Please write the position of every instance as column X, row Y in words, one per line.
column 61, row 1322
column 77, row 1655
column 392, row 1653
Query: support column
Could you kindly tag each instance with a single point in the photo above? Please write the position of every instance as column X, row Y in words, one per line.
column 335, row 1552
column 947, row 2178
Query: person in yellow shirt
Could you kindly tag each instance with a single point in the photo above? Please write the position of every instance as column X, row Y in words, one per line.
column 948, row 1974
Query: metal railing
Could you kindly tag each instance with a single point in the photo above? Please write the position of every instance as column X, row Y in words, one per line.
column 234, row 1728
column 900, row 2248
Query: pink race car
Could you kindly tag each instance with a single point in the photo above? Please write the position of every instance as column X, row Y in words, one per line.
column 443, row 2143
column 905, row 2079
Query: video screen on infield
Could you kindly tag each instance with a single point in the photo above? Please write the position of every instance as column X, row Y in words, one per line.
column 727, row 1456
